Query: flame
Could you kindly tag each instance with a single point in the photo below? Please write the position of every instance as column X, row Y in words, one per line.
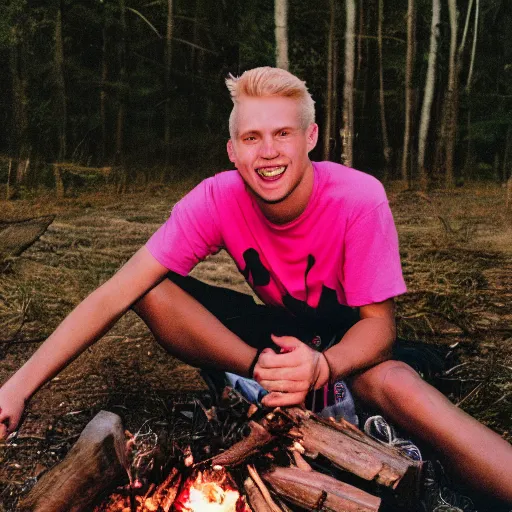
column 205, row 491
column 210, row 491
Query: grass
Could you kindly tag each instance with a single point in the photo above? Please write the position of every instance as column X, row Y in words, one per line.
column 457, row 261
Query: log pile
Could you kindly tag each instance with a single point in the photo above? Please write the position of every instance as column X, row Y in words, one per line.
column 289, row 459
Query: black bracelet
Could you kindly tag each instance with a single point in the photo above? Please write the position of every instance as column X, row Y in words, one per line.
column 254, row 361
column 332, row 378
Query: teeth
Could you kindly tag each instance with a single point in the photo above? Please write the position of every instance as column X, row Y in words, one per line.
column 271, row 173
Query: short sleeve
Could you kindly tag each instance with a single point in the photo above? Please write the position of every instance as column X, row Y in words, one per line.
column 371, row 269
column 190, row 233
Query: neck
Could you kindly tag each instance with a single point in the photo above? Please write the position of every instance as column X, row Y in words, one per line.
column 293, row 204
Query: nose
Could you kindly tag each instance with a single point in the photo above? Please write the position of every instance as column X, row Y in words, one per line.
column 268, row 149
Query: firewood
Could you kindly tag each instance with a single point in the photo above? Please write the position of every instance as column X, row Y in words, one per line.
column 258, row 437
column 254, row 496
column 93, row 465
column 166, row 493
column 316, row 491
column 263, row 489
column 353, row 450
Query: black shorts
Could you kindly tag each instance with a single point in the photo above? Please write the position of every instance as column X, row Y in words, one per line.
column 254, row 323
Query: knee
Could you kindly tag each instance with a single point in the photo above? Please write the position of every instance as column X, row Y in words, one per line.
column 385, row 381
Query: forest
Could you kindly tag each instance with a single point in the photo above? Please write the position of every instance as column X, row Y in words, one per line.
column 418, row 91
column 112, row 110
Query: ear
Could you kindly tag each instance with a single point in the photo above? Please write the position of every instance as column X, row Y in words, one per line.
column 312, row 136
column 231, row 151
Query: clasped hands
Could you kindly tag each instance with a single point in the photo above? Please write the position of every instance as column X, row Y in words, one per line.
column 289, row 375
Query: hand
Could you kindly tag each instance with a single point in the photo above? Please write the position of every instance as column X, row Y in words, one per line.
column 289, row 375
column 11, row 410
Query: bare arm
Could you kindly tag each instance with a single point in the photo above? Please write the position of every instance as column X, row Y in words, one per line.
column 366, row 343
column 90, row 320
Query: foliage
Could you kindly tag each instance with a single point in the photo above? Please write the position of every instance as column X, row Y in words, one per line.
column 212, row 39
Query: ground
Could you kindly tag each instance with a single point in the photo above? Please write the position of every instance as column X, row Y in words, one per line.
column 457, row 260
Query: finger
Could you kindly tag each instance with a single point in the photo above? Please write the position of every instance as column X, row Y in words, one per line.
column 273, row 360
column 286, row 373
column 287, row 343
column 3, row 431
column 285, row 386
column 283, row 399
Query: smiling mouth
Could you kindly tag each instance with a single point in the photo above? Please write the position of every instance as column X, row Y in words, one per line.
column 271, row 172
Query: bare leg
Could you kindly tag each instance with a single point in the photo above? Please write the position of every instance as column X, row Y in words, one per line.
column 189, row 331
column 478, row 454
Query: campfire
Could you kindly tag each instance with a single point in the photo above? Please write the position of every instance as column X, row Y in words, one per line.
column 242, row 459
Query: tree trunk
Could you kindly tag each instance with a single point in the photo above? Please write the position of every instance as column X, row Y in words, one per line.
column 451, row 101
column 473, row 48
column 409, row 67
column 281, row 31
column 360, row 37
column 60, row 86
column 469, row 135
column 506, row 173
column 347, row 131
column 121, row 107
column 20, row 140
column 429, row 93
column 329, row 112
column 103, row 92
column 167, row 83
column 384, row 129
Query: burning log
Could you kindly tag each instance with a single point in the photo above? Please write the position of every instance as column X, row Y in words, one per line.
column 315, row 491
column 100, row 457
column 258, row 437
column 96, row 461
column 210, row 490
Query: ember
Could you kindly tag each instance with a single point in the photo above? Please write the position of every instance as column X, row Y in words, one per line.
column 210, row 490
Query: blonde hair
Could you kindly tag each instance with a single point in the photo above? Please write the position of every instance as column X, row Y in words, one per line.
column 267, row 81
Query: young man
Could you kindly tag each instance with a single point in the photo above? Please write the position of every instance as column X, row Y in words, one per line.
column 314, row 240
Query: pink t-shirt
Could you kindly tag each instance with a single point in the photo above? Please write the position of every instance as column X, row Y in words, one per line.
column 343, row 247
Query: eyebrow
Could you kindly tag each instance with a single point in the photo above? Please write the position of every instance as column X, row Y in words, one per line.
column 257, row 132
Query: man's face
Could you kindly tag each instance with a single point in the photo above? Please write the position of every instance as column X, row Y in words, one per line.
column 270, row 150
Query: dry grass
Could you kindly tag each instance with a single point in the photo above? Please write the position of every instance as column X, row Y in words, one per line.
column 457, row 260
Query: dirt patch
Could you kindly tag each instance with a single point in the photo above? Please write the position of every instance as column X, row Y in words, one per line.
column 459, row 282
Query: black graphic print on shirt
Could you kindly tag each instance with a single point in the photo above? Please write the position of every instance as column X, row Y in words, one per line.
column 328, row 311
column 255, row 268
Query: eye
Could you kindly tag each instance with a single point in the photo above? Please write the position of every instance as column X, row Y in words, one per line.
column 249, row 138
column 284, row 133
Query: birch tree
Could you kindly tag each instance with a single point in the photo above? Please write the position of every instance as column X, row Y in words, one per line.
column 469, row 137
column 409, row 66
column 451, row 96
column 429, row 92
column 347, row 131
column 281, row 31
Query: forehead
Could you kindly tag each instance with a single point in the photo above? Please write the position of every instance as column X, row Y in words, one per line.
column 266, row 113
